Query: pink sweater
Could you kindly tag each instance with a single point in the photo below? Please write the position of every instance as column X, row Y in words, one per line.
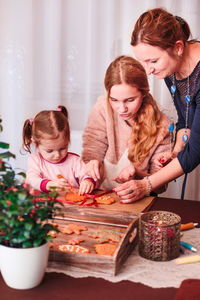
column 40, row 171
column 106, row 136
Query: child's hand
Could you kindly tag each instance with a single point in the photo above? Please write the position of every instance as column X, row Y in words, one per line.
column 163, row 159
column 126, row 174
column 86, row 186
column 59, row 184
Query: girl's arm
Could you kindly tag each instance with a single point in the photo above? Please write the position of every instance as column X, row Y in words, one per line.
column 95, row 142
column 34, row 175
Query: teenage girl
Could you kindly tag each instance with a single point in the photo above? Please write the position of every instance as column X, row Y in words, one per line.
column 125, row 131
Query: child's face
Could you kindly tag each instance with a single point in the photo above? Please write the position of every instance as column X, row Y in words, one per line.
column 53, row 150
column 125, row 101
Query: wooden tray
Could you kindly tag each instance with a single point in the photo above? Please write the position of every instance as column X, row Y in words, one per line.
column 115, row 213
column 92, row 261
column 108, row 217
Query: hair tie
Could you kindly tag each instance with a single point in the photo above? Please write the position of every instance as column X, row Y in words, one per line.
column 31, row 120
column 58, row 109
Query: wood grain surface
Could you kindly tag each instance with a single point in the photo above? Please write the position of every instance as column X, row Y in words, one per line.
column 116, row 216
column 93, row 261
column 116, row 213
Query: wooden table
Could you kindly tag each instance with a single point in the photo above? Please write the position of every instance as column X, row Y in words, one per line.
column 58, row 286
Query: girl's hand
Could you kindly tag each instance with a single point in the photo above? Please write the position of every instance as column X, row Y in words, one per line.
column 59, row 184
column 126, row 174
column 162, row 159
column 86, row 187
column 93, row 169
column 132, row 190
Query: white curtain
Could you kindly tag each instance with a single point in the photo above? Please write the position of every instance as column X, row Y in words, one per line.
column 57, row 51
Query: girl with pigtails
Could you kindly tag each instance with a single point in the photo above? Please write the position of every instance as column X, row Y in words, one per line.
column 52, row 165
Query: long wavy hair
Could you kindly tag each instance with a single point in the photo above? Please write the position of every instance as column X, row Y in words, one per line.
column 147, row 124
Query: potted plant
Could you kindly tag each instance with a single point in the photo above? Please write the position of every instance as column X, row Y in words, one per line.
column 24, row 229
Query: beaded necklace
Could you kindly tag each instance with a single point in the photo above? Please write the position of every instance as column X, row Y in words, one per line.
column 187, row 100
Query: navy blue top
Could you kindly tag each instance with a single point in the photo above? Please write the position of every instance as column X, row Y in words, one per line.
column 189, row 157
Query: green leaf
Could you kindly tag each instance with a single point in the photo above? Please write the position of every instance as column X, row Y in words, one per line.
column 22, row 174
column 16, row 231
column 7, row 154
column 9, row 178
column 37, row 243
column 27, row 244
column 48, row 238
column 28, row 226
column 21, row 238
column 22, row 198
column 4, row 145
column 14, row 223
column 27, row 234
column 14, row 241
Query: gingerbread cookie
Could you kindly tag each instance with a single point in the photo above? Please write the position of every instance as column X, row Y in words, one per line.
column 103, row 236
column 105, row 249
column 75, row 241
column 73, row 248
column 73, row 228
column 74, row 197
column 50, row 223
column 105, row 200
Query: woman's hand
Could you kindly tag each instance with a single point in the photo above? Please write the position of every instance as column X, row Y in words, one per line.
column 162, row 159
column 132, row 190
column 93, row 169
column 126, row 174
column 86, row 186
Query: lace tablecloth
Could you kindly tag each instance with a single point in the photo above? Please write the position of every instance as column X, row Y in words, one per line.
column 152, row 273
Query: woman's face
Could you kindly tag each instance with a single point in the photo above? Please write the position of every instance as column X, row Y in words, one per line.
column 155, row 60
column 125, row 100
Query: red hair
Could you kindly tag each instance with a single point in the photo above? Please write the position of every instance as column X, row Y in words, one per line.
column 148, row 121
column 158, row 27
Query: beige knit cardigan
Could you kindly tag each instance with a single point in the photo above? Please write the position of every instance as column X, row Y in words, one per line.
column 106, row 137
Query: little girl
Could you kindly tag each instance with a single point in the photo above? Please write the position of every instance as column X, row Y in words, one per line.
column 52, row 165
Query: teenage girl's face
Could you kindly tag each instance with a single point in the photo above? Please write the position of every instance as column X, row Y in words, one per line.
column 125, row 100
column 53, row 150
column 155, row 60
